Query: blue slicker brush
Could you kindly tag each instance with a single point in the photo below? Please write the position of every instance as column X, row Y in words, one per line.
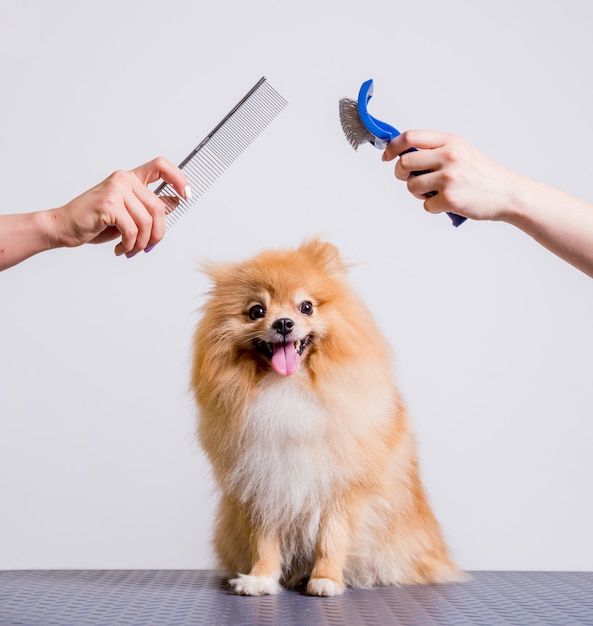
column 361, row 127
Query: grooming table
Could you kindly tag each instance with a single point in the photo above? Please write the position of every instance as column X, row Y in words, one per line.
column 191, row 598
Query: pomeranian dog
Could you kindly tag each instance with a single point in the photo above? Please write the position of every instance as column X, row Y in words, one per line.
column 307, row 434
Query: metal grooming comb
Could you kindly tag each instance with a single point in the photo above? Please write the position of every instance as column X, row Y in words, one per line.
column 224, row 144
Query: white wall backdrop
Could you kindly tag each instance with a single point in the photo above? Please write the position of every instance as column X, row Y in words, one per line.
column 99, row 467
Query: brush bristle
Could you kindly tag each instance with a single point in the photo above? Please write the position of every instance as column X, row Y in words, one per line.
column 355, row 131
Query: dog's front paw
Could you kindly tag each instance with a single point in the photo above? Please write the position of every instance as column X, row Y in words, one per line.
column 324, row 587
column 247, row 585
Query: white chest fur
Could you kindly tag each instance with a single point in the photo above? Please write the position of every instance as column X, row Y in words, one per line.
column 284, row 468
column 286, row 409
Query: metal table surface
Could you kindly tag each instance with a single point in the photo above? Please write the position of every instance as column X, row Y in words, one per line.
column 187, row 597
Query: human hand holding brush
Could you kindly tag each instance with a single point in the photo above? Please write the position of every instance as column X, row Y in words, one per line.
column 458, row 178
column 360, row 127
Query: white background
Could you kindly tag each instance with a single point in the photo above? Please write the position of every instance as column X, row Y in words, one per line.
column 493, row 335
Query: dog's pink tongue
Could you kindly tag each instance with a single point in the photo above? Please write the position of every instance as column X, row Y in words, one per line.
column 285, row 360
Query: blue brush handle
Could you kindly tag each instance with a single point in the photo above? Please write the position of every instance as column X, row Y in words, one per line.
column 384, row 133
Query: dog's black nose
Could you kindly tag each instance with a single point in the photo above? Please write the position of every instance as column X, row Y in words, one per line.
column 283, row 326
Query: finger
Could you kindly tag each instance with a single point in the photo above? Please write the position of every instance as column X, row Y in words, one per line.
column 161, row 168
column 150, row 222
column 417, row 161
column 421, row 139
column 156, row 207
column 424, row 184
column 396, row 147
column 141, row 226
column 435, row 204
column 170, row 202
column 129, row 232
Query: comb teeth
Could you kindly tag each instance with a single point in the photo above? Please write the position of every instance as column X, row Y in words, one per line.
column 224, row 144
column 355, row 131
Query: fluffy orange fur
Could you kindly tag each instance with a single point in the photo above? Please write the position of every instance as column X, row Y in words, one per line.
column 317, row 467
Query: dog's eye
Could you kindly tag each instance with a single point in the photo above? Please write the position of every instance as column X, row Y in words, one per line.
column 257, row 311
column 306, row 308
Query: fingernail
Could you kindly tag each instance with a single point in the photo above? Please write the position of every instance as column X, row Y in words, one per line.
column 187, row 192
column 149, row 249
column 131, row 254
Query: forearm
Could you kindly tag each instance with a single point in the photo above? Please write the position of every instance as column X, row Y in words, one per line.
column 468, row 183
column 557, row 220
column 23, row 235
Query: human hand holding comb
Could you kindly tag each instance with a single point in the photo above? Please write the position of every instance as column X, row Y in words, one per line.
column 121, row 205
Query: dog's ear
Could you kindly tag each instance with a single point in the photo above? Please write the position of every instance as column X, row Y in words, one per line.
column 210, row 269
column 218, row 272
column 324, row 254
